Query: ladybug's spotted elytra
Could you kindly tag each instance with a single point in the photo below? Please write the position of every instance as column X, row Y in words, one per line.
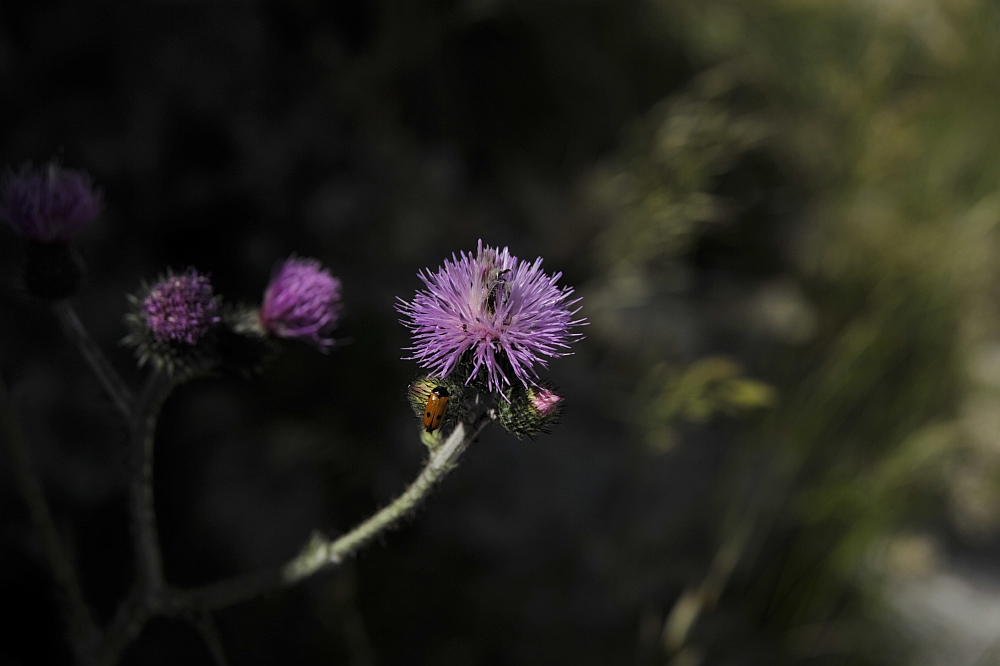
column 437, row 405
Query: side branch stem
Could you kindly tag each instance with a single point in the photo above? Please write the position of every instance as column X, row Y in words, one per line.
column 113, row 384
column 320, row 552
column 82, row 630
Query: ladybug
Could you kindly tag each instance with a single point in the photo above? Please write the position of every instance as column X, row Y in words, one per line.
column 437, row 405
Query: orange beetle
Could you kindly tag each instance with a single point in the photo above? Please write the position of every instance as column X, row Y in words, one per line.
column 437, row 405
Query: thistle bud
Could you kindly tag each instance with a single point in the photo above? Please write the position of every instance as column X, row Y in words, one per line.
column 171, row 323
column 420, row 389
column 526, row 412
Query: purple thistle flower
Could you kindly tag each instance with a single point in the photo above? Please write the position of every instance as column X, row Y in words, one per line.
column 181, row 308
column 303, row 302
column 49, row 204
column 506, row 313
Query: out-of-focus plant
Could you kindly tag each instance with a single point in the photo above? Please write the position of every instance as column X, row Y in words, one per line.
column 709, row 386
column 880, row 117
column 659, row 190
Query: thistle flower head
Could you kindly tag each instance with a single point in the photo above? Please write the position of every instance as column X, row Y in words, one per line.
column 302, row 301
column 49, row 204
column 181, row 308
column 506, row 314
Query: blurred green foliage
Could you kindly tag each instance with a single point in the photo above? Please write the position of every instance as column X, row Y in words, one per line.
column 709, row 386
column 881, row 117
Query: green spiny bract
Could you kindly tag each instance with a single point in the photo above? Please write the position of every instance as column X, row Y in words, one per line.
column 526, row 412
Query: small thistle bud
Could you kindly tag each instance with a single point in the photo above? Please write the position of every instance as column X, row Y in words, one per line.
column 171, row 321
column 302, row 302
column 419, row 393
column 50, row 204
column 526, row 412
column 545, row 402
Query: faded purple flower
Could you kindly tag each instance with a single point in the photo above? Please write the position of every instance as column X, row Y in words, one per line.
column 181, row 308
column 507, row 313
column 303, row 302
column 544, row 401
column 49, row 204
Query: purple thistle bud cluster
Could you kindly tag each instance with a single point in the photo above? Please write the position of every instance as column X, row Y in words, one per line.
column 181, row 325
column 302, row 301
column 181, row 308
column 502, row 315
column 490, row 320
column 49, row 204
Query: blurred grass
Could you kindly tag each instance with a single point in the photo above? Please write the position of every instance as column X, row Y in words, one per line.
column 882, row 118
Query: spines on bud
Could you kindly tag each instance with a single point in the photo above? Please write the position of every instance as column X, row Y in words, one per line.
column 526, row 412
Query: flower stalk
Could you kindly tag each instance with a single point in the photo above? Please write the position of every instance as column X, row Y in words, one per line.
column 116, row 388
column 322, row 553
column 149, row 561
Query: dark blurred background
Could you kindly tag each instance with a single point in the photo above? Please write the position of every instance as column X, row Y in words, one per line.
column 781, row 436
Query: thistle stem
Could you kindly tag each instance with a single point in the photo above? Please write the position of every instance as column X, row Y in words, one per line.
column 205, row 624
column 116, row 388
column 82, row 630
column 149, row 561
column 320, row 552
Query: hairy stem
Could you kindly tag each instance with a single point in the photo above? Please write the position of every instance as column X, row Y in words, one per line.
column 145, row 599
column 116, row 388
column 82, row 631
column 320, row 552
